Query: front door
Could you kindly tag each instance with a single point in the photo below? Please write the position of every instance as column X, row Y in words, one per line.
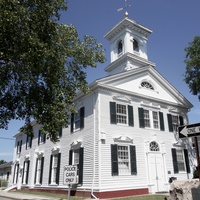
column 156, row 172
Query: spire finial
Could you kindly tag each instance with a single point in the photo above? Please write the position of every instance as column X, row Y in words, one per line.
column 126, row 5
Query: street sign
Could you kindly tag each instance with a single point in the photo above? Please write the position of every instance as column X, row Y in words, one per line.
column 190, row 130
column 70, row 174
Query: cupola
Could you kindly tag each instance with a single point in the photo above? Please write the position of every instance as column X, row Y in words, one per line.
column 128, row 42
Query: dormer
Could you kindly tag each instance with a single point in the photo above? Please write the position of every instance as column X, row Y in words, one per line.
column 128, row 41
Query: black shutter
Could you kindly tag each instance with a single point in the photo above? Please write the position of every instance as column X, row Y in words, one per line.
column 133, row 160
column 39, row 135
column 82, row 115
column 114, row 160
column 44, row 138
column 42, row 167
column 141, row 117
column 36, row 166
column 130, row 116
column 113, row 117
column 72, row 122
column 81, row 157
column 30, row 144
column 58, row 169
column 26, row 141
column 23, row 172
column 187, row 163
column 162, row 126
column 27, row 172
column 174, row 159
column 181, row 120
column 70, row 156
column 20, row 147
column 170, row 125
column 50, row 168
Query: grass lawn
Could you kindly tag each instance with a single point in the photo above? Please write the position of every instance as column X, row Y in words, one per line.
column 62, row 196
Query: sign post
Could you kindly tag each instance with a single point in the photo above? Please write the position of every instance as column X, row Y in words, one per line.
column 192, row 130
column 70, row 176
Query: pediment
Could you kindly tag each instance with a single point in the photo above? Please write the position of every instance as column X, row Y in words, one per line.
column 147, row 83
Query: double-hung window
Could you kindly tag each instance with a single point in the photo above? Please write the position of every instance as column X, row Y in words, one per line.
column 54, row 170
column 41, row 138
column 25, row 172
column 174, row 121
column 19, row 147
column 16, row 173
column 28, row 142
column 76, row 158
column 39, row 170
column 180, row 160
column 77, row 120
column 151, row 119
column 123, row 160
column 121, row 114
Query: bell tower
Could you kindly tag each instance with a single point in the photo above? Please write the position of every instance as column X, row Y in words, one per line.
column 128, row 42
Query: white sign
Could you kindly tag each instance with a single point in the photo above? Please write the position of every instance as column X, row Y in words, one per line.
column 189, row 130
column 70, row 174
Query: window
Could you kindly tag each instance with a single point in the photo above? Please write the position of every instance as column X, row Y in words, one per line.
column 120, row 47
column 135, row 46
column 146, row 119
column 19, row 147
column 147, row 85
column 174, row 121
column 16, row 172
column 28, row 142
column 39, row 170
column 41, row 138
column 123, row 160
column 25, row 172
column 59, row 133
column 121, row 114
column 76, row 158
column 77, row 120
column 151, row 119
column 153, row 146
column 155, row 120
column 54, row 170
column 180, row 160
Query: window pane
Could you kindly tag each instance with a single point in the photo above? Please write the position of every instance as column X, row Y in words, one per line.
column 175, row 122
column 180, row 160
column 121, row 114
column 123, row 159
column 155, row 120
column 146, row 118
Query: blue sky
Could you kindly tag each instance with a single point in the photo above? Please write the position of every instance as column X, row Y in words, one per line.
column 174, row 23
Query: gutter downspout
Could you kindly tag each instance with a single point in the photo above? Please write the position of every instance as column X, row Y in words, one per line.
column 94, row 146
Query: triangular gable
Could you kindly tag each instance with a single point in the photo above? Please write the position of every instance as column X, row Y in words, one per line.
column 130, row 82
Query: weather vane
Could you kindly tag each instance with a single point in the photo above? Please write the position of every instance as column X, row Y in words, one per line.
column 125, row 6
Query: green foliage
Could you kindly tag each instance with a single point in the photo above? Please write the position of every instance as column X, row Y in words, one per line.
column 192, row 74
column 42, row 64
column 2, row 162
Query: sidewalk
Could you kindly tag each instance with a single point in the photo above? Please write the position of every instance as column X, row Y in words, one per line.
column 20, row 196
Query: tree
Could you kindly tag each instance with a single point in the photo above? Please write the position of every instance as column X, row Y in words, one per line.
column 192, row 74
column 42, row 64
column 2, row 162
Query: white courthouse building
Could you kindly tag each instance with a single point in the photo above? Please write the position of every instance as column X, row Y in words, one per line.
column 124, row 139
